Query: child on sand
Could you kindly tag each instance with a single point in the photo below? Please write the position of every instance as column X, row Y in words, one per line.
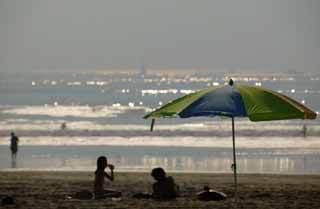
column 165, row 187
column 100, row 175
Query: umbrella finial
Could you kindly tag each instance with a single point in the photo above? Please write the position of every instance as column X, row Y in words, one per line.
column 231, row 82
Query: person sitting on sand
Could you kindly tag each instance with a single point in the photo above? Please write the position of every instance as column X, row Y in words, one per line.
column 165, row 187
column 100, row 175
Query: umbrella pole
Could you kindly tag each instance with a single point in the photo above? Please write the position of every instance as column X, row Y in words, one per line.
column 234, row 158
column 152, row 124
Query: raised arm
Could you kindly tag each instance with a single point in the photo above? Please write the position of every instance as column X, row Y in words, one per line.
column 111, row 176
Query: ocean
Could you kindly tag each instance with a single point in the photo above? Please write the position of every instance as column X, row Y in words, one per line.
column 65, row 120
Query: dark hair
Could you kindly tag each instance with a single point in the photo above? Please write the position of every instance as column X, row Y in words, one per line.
column 158, row 173
column 101, row 161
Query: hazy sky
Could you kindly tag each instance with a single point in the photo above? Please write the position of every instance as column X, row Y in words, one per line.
column 216, row 34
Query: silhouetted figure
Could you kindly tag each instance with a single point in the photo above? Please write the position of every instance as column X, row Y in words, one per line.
column 208, row 194
column 14, row 147
column 165, row 187
column 63, row 126
column 304, row 130
column 100, row 175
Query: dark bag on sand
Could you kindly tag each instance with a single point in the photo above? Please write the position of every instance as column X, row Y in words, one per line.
column 84, row 195
column 209, row 194
column 7, row 201
column 143, row 195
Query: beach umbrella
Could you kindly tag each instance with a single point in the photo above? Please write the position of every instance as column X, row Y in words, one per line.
column 232, row 100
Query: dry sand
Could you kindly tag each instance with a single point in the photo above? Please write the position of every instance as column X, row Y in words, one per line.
column 49, row 190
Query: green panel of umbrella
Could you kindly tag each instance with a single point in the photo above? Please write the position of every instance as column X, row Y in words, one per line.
column 256, row 103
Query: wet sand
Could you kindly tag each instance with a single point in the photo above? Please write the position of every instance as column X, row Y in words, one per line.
column 48, row 189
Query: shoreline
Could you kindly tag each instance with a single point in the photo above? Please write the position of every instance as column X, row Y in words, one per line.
column 180, row 159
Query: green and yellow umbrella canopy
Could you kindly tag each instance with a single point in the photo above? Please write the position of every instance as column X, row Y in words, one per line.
column 257, row 103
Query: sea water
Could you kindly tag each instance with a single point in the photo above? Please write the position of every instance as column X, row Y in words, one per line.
column 65, row 120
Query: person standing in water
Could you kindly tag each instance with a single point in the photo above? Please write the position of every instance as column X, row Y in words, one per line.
column 304, row 130
column 14, row 146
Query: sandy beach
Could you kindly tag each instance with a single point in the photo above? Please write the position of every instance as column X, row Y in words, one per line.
column 48, row 189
